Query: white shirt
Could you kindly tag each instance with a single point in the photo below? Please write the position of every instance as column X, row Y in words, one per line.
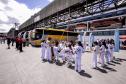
column 68, row 51
column 56, row 50
column 95, row 49
column 43, row 45
column 102, row 49
column 78, row 50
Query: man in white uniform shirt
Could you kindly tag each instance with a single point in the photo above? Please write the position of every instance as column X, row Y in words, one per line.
column 78, row 50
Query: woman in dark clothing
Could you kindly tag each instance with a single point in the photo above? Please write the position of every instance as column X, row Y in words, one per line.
column 12, row 40
column 17, row 43
column 8, row 42
column 20, row 44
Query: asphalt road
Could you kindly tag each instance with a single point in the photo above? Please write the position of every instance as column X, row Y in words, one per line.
column 27, row 68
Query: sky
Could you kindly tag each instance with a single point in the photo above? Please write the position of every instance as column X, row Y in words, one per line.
column 18, row 11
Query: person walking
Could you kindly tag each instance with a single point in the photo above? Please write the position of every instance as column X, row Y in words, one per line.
column 69, row 54
column 62, row 51
column 4, row 38
column 111, row 51
column 20, row 44
column 48, row 50
column 12, row 40
column 95, row 55
column 78, row 54
column 108, row 53
column 17, row 43
column 8, row 42
column 102, row 54
column 43, row 49
column 56, row 51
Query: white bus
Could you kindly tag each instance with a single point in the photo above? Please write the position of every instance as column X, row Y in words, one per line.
column 107, row 34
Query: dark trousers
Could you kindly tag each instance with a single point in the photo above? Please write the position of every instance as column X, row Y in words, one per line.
column 8, row 45
column 24, row 44
column 20, row 47
column 12, row 43
column 17, row 45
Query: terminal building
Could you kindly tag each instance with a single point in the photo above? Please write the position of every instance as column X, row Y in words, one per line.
column 100, row 18
column 80, row 15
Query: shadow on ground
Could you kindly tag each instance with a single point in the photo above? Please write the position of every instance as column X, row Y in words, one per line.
column 111, row 64
column 71, row 67
column 59, row 63
column 120, row 59
column 83, row 73
column 115, row 62
column 101, row 70
column 111, row 69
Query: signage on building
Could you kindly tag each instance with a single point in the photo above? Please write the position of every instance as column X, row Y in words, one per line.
column 37, row 18
column 81, row 26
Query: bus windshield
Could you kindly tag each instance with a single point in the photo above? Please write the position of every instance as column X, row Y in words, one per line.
column 55, row 32
column 36, row 36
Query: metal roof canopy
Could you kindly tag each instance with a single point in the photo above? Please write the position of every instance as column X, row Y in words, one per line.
column 53, row 8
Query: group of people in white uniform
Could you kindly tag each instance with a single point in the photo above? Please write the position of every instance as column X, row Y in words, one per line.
column 102, row 52
column 68, row 52
column 71, row 52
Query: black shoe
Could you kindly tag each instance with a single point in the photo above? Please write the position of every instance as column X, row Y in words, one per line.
column 76, row 70
column 43, row 60
column 21, row 51
column 103, row 66
column 82, row 71
column 94, row 67
column 50, row 61
column 64, row 62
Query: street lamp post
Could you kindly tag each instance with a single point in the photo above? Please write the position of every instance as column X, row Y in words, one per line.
column 15, row 31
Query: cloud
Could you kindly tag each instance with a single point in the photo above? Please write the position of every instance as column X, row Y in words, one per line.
column 4, row 1
column 3, row 17
column 12, row 11
column 50, row 0
column 5, row 27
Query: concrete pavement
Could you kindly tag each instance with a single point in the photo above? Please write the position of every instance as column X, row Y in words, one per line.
column 27, row 68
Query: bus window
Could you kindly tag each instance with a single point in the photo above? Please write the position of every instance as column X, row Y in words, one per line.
column 33, row 35
column 122, row 32
column 95, row 33
column 26, row 35
column 38, row 36
column 87, row 33
column 100, row 33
